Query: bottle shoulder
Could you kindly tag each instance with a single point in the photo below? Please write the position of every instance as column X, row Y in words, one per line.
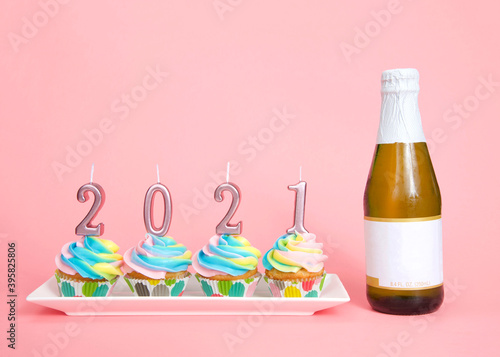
column 402, row 183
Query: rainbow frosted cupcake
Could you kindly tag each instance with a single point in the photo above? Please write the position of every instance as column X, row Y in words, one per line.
column 157, row 266
column 88, row 267
column 295, row 266
column 227, row 266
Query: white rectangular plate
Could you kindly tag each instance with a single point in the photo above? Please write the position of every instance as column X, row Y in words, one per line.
column 193, row 302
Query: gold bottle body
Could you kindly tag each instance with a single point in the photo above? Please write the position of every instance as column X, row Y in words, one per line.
column 402, row 185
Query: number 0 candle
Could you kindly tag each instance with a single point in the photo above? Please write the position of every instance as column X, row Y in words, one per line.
column 149, row 207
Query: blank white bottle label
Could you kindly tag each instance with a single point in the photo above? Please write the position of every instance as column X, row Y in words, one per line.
column 404, row 254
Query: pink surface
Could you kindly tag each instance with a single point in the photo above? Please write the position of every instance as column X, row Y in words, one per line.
column 269, row 85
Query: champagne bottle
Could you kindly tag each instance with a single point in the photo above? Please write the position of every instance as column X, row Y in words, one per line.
column 402, row 207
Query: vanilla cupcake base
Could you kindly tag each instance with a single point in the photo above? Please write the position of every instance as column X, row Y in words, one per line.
column 161, row 287
column 308, row 287
column 229, row 288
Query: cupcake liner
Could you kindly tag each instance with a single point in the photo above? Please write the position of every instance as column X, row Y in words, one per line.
column 163, row 287
column 311, row 287
column 76, row 288
column 229, row 288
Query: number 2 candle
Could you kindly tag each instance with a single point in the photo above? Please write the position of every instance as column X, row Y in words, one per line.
column 224, row 227
column 86, row 228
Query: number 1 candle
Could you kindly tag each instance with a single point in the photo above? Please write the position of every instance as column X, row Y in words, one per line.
column 300, row 203
column 295, row 263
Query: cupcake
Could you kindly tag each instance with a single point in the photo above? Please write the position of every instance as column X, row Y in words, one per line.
column 295, row 266
column 157, row 266
column 227, row 266
column 88, row 267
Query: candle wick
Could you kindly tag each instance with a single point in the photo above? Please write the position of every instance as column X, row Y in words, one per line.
column 227, row 174
column 92, row 173
column 158, row 173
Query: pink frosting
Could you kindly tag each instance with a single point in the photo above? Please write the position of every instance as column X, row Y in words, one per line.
column 306, row 253
column 311, row 262
column 204, row 271
column 129, row 265
column 63, row 266
column 207, row 266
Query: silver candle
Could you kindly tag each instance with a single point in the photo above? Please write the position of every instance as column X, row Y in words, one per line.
column 149, row 208
column 300, row 205
column 224, row 227
column 86, row 228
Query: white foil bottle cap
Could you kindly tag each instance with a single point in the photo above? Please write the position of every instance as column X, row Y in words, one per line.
column 399, row 117
column 400, row 79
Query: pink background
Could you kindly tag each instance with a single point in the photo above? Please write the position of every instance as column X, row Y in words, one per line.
column 228, row 73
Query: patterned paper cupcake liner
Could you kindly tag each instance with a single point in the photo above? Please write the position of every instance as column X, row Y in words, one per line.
column 229, row 288
column 163, row 287
column 75, row 288
column 300, row 288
